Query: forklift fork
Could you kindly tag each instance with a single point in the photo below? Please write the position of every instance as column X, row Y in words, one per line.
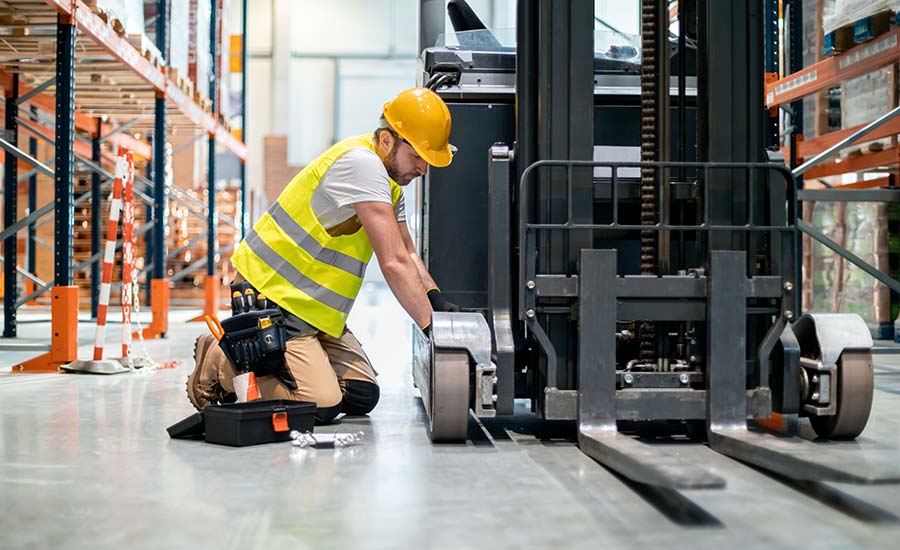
column 726, row 394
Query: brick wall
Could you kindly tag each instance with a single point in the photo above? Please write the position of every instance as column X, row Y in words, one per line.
column 277, row 171
column 865, row 98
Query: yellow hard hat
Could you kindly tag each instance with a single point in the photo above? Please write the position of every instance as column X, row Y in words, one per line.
column 421, row 117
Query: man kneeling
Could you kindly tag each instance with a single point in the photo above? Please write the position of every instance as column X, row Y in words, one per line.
column 308, row 254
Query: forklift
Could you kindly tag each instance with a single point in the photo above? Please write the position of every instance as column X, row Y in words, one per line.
column 622, row 240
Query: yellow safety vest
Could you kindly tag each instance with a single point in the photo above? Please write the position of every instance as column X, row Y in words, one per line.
column 290, row 258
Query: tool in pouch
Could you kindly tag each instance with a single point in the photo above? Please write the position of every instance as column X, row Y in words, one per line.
column 253, row 340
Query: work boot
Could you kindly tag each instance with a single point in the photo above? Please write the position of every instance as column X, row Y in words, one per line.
column 203, row 386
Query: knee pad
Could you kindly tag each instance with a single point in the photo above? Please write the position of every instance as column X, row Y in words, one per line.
column 326, row 415
column 360, row 397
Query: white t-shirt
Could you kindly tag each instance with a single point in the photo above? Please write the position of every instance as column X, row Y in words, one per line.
column 358, row 176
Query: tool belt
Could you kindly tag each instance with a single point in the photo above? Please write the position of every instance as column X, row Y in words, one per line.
column 254, row 340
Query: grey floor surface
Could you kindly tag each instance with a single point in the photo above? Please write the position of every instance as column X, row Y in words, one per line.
column 85, row 462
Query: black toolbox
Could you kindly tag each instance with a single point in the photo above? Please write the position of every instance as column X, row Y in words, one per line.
column 251, row 423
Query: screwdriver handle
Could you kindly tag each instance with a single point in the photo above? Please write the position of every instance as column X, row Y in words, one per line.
column 237, row 303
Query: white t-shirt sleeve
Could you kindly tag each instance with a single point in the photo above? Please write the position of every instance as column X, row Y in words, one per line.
column 358, row 176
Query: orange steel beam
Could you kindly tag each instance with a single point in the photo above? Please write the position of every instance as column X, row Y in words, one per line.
column 62, row 6
column 46, row 134
column 190, row 109
column 821, row 143
column 46, row 103
column 868, row 184
column 139, row 148
column 90, row 24
column 101, row 33
column 862, row 59
column 227, row 139
column 862, row 163
column 83, row 122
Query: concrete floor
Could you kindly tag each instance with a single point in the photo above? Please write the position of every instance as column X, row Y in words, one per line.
column 85, row 462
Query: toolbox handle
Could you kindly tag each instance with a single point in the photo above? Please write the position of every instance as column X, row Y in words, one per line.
column 280, row 420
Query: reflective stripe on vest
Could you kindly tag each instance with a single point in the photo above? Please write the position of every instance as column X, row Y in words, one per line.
column 308, row 243
column 290, row 258
column 299, row 280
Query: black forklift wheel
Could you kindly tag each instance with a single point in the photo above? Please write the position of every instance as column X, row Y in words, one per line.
column 855, row 384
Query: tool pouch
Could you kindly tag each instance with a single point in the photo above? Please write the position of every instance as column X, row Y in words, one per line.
column 255, row 341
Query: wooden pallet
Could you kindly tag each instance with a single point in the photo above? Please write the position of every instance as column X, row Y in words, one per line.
column 147, row 48
column 18, row 24
column 182, row 81
column 861, row 30
column 204, row 102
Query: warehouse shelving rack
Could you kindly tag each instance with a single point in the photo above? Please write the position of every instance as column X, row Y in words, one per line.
column 61, row 46
column 861, row 60
column 807, row 158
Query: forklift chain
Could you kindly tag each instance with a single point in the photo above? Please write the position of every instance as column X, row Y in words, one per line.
column 646, row 331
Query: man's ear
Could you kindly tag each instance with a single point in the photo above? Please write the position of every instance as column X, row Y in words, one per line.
column 386, row 140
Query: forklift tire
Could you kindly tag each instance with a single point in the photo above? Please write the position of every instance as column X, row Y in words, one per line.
column 855, row 385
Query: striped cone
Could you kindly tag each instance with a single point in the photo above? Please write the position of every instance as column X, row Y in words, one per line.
column 109, row 253
column 122, row 204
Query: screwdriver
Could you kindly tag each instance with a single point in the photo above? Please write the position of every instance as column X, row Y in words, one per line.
column 237, row 303
column 249, row 299
column 262, row 302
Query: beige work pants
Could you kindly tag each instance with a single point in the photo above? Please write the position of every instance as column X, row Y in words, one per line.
column 325, row 368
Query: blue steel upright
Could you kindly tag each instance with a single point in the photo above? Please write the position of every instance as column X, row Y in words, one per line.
column 211, row 166
column 770, row 42
column 10, row 211
column 159, row 156
column 150, row 235
column 32, row 200
column 65, row 152
column 96, row 222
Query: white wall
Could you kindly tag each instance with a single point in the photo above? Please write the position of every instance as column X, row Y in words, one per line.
column 363, row 87
column 347, row 59
column 310, row 112
column 319, row 71
column 345, row 27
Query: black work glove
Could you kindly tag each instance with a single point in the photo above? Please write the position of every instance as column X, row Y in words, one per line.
column 439, row 303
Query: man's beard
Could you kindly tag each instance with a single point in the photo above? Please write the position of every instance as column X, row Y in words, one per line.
column 390, row 163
